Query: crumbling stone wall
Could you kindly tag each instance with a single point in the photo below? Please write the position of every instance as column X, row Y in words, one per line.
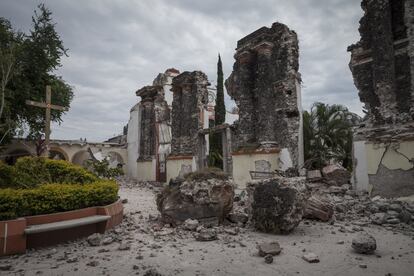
column 265, row 86
column 190, row 96
column 154, row 109
column 382, row 61
column 409, row 22
column 382, row 64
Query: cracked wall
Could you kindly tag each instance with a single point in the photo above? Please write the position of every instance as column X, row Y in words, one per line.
column 265, row 84
column 391, row 169
column 382, row 64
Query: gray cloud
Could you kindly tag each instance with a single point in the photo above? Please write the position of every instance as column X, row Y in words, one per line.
column 115, row 47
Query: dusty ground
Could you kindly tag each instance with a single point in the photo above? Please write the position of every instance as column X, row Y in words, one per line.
column 175, row 252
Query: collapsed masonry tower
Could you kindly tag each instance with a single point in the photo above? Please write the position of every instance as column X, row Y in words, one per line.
column 265, row 84
column 382, row 61
column 154, row 110
column 382, row 64
column 190, row 96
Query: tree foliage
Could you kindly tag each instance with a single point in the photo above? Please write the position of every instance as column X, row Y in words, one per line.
column 327, row 131
column 216, row 149
column 34, row 58
column 220, row 108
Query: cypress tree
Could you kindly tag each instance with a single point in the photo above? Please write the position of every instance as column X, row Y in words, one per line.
column 220, row 108
column 216, row 150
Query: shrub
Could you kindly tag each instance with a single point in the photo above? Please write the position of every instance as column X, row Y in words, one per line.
column 65, row 172
column 30, row 172
column 102, row 169
column 51, row 198
column 7, row 175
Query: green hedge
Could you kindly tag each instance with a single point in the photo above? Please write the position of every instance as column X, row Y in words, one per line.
column 7, row 175
column 52, row 198
column 29, row 172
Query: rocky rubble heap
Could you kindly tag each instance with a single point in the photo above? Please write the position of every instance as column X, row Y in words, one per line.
column 359, row 207
column 200, row 195
column 276, row 205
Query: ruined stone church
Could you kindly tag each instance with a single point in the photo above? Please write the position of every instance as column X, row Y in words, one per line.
column 168, row 128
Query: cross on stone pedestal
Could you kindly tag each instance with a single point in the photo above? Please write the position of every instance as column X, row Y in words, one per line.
column 48, row 106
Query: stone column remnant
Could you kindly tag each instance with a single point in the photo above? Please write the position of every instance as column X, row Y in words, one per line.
column 152, row 100
column 190, row 97
column 382, row 61
column 265, row 84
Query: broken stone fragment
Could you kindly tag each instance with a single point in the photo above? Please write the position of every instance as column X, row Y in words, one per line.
column 276, row 205
column 152, row 272
column 191, row 224
column 5, row 267
column 107, row 240
column 311, row 257
column 313, row 175
column 93, row 263
column 268, row 259
column 72, row 259
column 336, row 174
column 124, row 246
column 94, row 239
column 364, row 243
column 318, row 207
column 269, row 248
column 196, row 198
column 238, row 217
column 231, row 231
column 206, row 235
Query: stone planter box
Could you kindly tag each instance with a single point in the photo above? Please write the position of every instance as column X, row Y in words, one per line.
column 17, row 235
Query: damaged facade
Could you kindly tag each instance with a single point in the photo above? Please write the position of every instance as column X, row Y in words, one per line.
column 149, row 130
column 382, row 64
column 265, row 84
column 189, row 116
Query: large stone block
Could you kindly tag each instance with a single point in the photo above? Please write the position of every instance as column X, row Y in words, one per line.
column 201, row 195
column 276, row 205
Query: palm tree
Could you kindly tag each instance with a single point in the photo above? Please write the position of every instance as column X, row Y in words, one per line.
column 327, row 131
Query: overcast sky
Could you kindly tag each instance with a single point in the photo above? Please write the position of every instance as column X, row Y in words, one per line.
column 118, row 46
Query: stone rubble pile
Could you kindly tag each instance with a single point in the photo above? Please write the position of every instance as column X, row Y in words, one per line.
column 332, row 198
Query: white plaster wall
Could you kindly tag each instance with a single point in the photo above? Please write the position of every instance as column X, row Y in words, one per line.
column 367, row 158
column 392, row 156
column 360, row 179
column 133, row 138
column 285, row 159
column 174, row 167
column 205, row 125
column 301, row 157
column 146, row 170
column 231, row 118
column 244, row 163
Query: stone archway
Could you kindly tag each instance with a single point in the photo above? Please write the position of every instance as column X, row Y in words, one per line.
column 58, row 154
column 115, row 159
column 12, row 156
column 80, row 157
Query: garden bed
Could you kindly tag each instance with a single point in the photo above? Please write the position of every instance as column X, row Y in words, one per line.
column 43, row 202
column 14, row 240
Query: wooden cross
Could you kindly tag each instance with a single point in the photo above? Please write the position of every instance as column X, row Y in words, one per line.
column 48, row 106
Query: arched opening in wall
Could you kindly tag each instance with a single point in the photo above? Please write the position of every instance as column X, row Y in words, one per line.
column 115, row 160
column 11, row 157
column 58, row 154
column 81, row 157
